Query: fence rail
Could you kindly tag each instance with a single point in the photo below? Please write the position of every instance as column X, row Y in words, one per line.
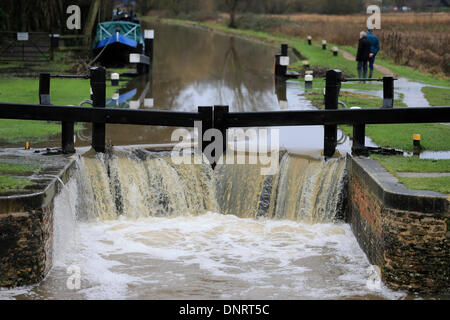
column 217, row 117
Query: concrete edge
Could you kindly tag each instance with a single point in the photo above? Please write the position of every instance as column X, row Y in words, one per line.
column 394, row 194
column 21, row 203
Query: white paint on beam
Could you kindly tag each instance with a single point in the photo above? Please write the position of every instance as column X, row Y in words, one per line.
column 149, row 103
column 284, row 105
column 139, row 58
column 149, row 34
column 135, row 104
column 284, row 61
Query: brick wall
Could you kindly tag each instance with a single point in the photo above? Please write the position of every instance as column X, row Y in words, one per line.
column 27, row 244
column 406, row 233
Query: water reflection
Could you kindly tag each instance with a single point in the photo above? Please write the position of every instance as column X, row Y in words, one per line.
column 195, row 68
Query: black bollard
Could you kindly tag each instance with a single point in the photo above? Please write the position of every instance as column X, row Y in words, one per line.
column 149, row 36
column 388, row 92
column 309, row 81
column 44, row 88
column 332, row 88
column 98, row 85
column 416, row 144
column 335, row 51
column 115, row 78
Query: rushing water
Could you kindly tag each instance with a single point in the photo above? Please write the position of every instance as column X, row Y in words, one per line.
column 138, row 226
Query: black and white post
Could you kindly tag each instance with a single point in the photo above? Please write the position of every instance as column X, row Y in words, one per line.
column 388, row 92
column 149, row 36
column 282, row 62
column 332, row 88
column 98, row 85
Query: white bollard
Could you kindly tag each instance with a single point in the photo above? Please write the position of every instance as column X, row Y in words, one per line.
column 309, row 81
column 115, row 77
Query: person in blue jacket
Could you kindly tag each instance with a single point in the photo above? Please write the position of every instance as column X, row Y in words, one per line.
column 374, row 48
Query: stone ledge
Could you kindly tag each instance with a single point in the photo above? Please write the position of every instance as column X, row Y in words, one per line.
column 394, row 194
column 40, row 199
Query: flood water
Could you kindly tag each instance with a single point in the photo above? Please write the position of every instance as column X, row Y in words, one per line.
column 196, row 68
column 181, row 245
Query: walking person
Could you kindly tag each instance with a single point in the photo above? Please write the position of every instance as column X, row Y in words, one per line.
column 363, row 55
column 374, row 48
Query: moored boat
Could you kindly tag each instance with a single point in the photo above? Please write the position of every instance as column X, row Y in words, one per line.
column 117, row 39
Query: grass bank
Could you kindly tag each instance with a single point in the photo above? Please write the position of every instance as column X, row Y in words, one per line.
column 435, row 137
column 437, row 96
column 19, row 90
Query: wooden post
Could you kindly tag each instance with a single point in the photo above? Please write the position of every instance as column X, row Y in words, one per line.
column 359, row 139
column 282, row 61
column 67, row 141
column 98, row 85
column 149, row 36
column 333, row 85
column 220, row 123
column 44, row 88
column 207, row 123
column 281, row 90
column 67, row 128
column 388, row 92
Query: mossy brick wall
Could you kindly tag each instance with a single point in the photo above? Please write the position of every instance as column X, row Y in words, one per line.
column 406, row 233
column 25, row 246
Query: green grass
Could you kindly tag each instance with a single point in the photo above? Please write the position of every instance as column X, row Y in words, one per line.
column 409, row 73
column 437, row 96
column 412, row 164
column 441, row 184
column 406, row 72
column 435, row 136
column 396, row 164
column 63, row 92
column 8, row 168
column 8, row 184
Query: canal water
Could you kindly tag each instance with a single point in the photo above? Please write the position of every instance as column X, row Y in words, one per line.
column 135, row 225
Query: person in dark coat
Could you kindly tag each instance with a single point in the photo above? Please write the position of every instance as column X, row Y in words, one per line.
column 374, row 48
column 363, row 55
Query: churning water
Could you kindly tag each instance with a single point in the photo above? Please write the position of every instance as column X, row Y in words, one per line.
column 137, row 226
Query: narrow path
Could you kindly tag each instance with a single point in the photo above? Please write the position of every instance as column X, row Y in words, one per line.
column 423, row 175
column 347, row 55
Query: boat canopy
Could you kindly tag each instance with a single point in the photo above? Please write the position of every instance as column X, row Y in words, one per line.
column 127, row 33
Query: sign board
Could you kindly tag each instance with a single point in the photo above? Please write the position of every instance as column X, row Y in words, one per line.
column 22, row 36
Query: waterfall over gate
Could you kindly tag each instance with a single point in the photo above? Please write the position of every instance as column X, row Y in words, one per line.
column 140, row 183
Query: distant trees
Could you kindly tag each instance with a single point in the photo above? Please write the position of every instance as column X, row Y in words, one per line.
column 254, row 6
column 49, row 15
